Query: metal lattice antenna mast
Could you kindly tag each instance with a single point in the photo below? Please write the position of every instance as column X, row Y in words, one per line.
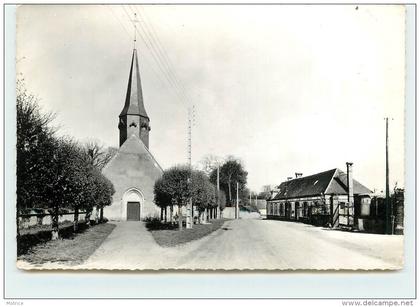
column 191, row 123
column 190, row 207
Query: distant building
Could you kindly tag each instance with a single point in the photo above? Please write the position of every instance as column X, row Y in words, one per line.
column 133, row 170
column 321, row 199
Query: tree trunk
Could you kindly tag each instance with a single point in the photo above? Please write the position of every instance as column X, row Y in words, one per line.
column 54, row 233
column 76, row 219
column 171, row 214
column 199, row 217
column 101, row 218
column 161, row 213
column 166, row 214
column 204, row 216
column 230, row 193
column 96, row 214
column 87, row 217
column 180, row 217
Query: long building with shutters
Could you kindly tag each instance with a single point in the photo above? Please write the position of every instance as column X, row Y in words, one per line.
column 323, row 199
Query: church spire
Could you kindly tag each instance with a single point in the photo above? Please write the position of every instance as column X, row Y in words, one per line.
column 134, row 99
column 133, row 117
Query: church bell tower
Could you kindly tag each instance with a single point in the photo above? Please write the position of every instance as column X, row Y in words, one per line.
column 133, row 118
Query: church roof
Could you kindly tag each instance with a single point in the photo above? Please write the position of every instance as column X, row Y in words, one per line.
column 333, row 181
column 136, row 154
column 134, row 99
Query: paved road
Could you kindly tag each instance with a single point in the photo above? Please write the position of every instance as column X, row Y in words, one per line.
column 251, row 244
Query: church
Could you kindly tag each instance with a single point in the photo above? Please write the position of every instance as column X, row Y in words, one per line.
column 133, row 170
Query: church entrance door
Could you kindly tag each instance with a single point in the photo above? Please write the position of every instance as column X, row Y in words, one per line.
column 133, row 211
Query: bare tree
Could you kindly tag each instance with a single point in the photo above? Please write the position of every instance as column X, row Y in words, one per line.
column 97, row 154
column 210, row 162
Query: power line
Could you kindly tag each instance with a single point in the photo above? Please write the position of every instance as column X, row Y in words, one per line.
column 154, row 57
column 156, row 51
column 130, row 37
column 152, row 33
column 119, row 21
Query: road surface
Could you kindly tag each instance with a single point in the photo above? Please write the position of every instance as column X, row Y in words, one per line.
column 250, row 244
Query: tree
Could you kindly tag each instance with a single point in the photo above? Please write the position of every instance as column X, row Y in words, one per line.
column 95, row 158
column 104, row 189
column 231, row 172
column 210, row 162
column 53, row 173
column 162, row 198
column 174, row 189
column 35, row 145
column 203, row 193
column 222, row 200
column 64, row 184
column 266, row 191
column 97, row 155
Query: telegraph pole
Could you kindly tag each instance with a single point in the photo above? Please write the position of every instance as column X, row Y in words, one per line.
column 237, row 201
column 388, row 205
column 218, row 189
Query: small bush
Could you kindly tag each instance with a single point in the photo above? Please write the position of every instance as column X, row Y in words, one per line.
column 154, row 223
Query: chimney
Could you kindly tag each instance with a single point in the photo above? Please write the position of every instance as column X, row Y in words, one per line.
column 298, row 175
column 350, row 183
column 289, row 178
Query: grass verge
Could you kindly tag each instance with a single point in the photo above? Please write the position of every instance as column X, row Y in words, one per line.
column 173, row 237
column 71, row 251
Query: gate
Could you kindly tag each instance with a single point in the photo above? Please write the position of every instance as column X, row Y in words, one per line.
column 345, row 215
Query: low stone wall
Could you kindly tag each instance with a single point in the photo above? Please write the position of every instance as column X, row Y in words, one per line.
column 26, row 222
column 229, row 213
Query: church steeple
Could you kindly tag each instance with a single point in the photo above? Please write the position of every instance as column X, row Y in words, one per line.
column 133, row 117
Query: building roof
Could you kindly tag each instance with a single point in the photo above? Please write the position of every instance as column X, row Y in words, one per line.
column 333, row 181
column 136, row 154
column 134, row 99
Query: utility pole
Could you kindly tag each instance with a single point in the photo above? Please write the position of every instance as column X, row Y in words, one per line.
column 388, row 205
column 237, row 201
column 218, row 189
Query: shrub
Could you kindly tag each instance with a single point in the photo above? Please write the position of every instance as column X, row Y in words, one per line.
column 154, row 223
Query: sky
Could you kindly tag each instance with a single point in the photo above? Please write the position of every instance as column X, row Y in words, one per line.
column 285, row 88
